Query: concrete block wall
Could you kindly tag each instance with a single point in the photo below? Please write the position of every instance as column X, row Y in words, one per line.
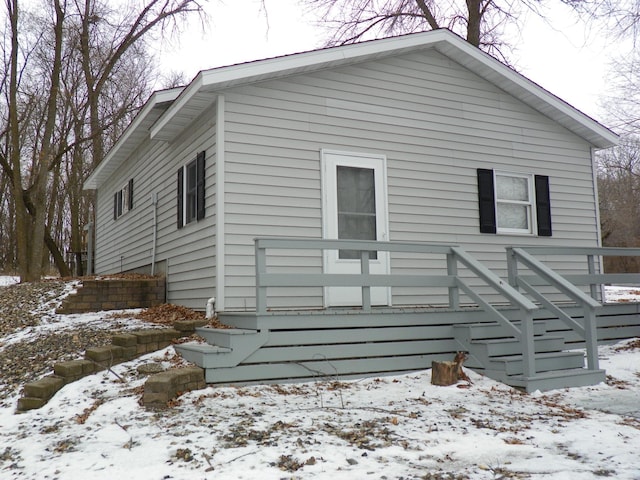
column 115, row 294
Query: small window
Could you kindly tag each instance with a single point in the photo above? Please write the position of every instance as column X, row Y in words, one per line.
column 191, row 199
column 191, row 191
column 514, row 203
column 123, row 200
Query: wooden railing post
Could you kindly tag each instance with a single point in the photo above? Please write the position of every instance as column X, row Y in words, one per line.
column 366, row 289
column 591, row 265
column 591, row 338
column 528, row 346
column 261, row 268
column 512, row 267
column 452, row 270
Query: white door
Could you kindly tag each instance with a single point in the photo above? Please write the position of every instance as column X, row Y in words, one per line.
column 354, row 192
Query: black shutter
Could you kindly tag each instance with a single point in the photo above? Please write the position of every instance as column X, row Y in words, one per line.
column 130, row 199
column 115, row 206
column 180, row 196
column 200, row 186
column 486, row 201
column 543, row 205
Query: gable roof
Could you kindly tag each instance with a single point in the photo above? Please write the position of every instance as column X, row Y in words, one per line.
column 192, row 100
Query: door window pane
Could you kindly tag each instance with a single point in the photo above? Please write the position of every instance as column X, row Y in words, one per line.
column 356, row 207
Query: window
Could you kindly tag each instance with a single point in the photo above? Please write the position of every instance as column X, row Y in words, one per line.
column 123, row 200
column 356, row 207
column 191, row 191
column 514, row 203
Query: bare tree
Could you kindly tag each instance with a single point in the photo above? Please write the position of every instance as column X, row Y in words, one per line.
column 618, row 18
column 619, row 188
column 481, row 22
column 76, row 71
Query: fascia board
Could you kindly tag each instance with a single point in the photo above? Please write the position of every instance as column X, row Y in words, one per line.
column 113, row 160
column 249, row 72
column 446, row 42
column 529, row 92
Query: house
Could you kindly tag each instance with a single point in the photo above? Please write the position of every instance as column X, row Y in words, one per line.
column 401, row 148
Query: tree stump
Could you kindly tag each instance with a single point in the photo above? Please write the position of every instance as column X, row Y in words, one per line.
column 448, row 373
column 444, row 373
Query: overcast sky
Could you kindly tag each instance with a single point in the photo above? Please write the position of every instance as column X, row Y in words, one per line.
column 566, row 60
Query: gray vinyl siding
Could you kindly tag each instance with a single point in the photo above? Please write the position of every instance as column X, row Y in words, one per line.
column 189, row 253
column 436, row 123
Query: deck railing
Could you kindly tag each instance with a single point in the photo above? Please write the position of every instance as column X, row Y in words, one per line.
column 454, row 255
column 539, row 275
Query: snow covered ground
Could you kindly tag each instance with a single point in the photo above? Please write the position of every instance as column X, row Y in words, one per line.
column 392, row 427
column 8, row 280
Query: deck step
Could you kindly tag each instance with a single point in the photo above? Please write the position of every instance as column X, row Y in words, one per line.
column 239, row 320
column 479, row 331
column 225, row 337
column 225, row 347
column 501, row 347
column 202, row 354
column 578, row 377
column 544, row 362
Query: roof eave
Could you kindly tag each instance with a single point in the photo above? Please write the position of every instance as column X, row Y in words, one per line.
column 530, row 93
column 449, row 44
column 131, row 136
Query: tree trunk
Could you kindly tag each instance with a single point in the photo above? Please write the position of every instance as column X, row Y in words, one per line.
column 474, row 21
column 22, row 233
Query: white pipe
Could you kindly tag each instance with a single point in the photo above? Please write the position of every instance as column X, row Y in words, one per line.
column 211, row 308
column 154, row 203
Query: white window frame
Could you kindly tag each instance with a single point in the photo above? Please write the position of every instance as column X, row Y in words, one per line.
column 124, row 195
column 186, row 193
column 530, row 203
column 123, row 201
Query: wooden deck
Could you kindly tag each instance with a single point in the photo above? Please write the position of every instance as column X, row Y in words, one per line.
column 532, row 346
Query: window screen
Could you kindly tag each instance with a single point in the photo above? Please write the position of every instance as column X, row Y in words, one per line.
column 513, row 202
column 356, row 207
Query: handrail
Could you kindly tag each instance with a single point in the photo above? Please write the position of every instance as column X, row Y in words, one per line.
column 365, row 280
column 588, row 331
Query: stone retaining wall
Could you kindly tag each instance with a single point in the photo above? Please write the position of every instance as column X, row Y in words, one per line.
column 165, row 386
column 115, row 294
column 123, row 347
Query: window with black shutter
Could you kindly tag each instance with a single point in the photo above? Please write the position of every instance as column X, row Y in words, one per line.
column 513, row 203
column 123, row 200
column 191, row 191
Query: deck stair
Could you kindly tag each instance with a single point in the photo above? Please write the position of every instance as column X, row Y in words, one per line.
column 496, row 354
column 225, row 347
